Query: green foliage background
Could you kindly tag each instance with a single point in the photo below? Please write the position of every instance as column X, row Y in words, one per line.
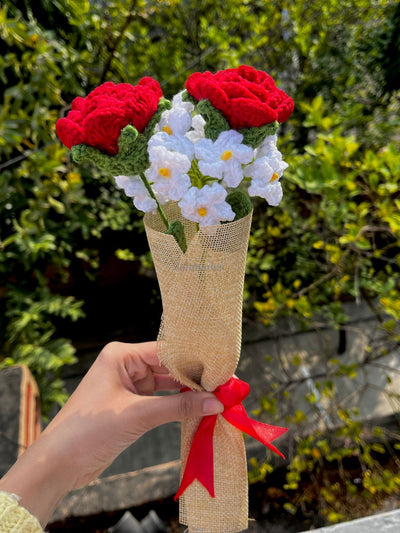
column 335, row 236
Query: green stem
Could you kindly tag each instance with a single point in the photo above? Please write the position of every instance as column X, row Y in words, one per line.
column 151, row 192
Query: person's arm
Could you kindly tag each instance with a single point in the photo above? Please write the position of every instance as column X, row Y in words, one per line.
column 111, row 408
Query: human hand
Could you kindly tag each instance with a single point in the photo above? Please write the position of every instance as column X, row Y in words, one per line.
column 111, row 408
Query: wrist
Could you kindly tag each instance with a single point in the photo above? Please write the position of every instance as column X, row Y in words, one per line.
column 40, row 478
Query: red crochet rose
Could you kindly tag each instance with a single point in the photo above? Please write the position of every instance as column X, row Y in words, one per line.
column 246, row 97
column 98, row 119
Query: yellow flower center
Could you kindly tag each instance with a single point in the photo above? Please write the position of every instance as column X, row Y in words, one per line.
column 167, row 129
column 226, row 155
column 202, row 211
column 274, row 176
column 164, row 172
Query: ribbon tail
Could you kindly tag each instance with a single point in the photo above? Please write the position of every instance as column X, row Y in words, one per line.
column 200, row 461
column 264, row 433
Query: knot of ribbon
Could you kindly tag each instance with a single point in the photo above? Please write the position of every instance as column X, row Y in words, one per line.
column 200, row 461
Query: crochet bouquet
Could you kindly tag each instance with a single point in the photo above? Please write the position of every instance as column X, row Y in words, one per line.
column 192, row 165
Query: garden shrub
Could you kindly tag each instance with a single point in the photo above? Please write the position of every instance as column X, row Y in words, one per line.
column 334, row 238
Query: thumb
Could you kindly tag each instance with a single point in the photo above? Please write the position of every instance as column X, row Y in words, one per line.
column 162, row 409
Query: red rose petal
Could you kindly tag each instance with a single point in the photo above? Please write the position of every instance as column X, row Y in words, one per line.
column 262, row 93
column 75, row 116
column 98, row 119
column 245, row 96
column 196, row 84
column 251, row 74
column 236, row 90
column 249, row 114
column 103, row 128
column 153, row 84
column 285, row 110
column 209, row 90
column 78, row 103
column 69, row 132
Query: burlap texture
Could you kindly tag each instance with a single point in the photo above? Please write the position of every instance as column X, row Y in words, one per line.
column 199, row 342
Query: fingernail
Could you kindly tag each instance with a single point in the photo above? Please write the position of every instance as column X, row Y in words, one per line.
column 211, row 406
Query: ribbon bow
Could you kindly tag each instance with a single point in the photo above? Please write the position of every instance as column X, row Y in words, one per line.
column 200, row 462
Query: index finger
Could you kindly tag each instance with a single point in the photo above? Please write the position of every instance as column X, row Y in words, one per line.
column 147, row 351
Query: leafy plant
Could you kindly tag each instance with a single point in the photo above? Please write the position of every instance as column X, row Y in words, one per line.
column 335, row 237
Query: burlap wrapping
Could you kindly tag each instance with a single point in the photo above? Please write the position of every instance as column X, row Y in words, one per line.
column 199, row 342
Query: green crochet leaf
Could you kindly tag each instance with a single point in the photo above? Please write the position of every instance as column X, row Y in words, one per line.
column 126, row 139
column 112, row 164
column 176, row 229
column 163, row 105
column 130, row 160
column 240, row 203
column 133, row 156
column 186, row 97
column 196, row 177
column 215, row 120
column 255, row 136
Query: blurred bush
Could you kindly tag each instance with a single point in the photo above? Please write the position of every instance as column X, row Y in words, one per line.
column 335, row 236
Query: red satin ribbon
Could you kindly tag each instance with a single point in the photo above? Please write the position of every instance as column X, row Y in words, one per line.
column 200, row 462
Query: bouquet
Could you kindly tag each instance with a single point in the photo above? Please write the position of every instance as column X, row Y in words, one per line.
column 192, row 165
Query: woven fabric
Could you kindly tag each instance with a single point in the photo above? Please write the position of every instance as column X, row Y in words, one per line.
column 199, row 342
column 14, row 518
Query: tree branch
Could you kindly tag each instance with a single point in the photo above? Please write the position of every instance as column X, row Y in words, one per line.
column 115, row 45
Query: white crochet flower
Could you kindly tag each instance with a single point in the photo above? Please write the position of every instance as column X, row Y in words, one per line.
column 122, row 181
column 272, row 192
column 175, row 121
column 268, row 145
column 275, row 161
column 174, row 143
column 134, row 188
column 207, row 205
column 178, row 102
column 259, row 170
column 265, row 173
column 197, row 131
column 267, row 168
column 168, row 172
column 223, row 158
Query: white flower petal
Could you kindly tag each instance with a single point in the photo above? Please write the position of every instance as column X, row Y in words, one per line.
column 229, row 137
column 147, row 205
column 243, row 153
column 272, row 192
column 121, row 181
column 174, row 143
column 168, row 172
column 135, row 188
column 173, row 188
column 233, row 173
column 223, row 159
column 207, row 205
column 204, row 149
column 197, row 133
column 214, row 169
column 268, row 144
column 175, row 121
column 259, row 170
column 178, row 102
column 179, row 121
column 160, row 157
column 273, row 156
